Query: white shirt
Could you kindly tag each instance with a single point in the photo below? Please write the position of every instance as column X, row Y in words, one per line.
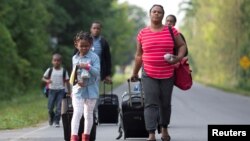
column 56, row 78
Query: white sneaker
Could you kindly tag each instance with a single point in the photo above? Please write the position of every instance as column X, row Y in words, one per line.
column 57, row 125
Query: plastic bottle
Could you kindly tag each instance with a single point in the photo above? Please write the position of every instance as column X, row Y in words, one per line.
column 79, row 78
column 168, row 57
column 136, row 88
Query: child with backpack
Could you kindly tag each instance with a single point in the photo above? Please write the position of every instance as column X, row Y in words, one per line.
column 85, row 90
column 56, row 77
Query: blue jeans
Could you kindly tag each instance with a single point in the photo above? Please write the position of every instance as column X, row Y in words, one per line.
column 54, row 101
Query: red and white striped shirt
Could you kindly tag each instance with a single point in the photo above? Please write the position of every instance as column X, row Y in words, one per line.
column 154, row 46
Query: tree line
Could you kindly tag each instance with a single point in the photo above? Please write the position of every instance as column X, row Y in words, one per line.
column 218, row 35
column 32, row 30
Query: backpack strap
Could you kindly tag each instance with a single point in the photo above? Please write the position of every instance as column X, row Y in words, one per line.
column 172, row 35
column 175, row 47
column 182, row 36
column 64, row 73
column 50, row 72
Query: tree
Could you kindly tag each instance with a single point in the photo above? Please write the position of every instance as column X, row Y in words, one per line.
column 25, row 23
column 121, row 30
column 217, row 39
column 32, row 30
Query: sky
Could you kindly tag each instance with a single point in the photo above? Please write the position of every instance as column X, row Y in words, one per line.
column 170, row 6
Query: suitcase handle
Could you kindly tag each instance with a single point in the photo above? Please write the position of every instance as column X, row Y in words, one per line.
column 67, row 100
column 104, row 89
column 129, row 91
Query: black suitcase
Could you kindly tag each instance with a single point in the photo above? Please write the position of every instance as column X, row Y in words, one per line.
column 132, row 115
column 108, row 107
column 67, row 113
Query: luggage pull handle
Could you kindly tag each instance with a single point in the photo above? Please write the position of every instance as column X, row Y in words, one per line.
column 67, row 100
column 129, row 91
column 104, row 89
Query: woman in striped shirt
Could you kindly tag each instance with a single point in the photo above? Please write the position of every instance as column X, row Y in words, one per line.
column 153, row 42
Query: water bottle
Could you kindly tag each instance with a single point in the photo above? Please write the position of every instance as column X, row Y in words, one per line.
column 168, row 57
column 79, row 78
column 85, row 73
column 137, row 88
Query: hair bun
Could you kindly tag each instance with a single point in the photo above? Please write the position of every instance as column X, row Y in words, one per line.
column 83, row 36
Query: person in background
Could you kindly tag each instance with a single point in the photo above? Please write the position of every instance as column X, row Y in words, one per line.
column 101, row 48
column 85, row 91
column 153, row 42
column 56, row 81
column 171, row 21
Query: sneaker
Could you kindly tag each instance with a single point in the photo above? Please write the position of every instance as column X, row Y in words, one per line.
column 50, row 122
column 51, row 119
column 57, row 125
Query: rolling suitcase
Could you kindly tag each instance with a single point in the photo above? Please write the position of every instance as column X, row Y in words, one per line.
column 67, row 113
column 132, row 115
column 108, row 107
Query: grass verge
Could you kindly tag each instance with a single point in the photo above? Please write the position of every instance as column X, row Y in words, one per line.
column 31, row 109
column 238, row 91
column 22, row 111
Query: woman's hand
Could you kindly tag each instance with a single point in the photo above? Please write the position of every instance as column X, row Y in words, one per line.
column 108, row 80
column 134, row 77
column 174, row 59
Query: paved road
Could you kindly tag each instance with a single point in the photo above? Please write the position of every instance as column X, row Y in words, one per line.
column 192, row 111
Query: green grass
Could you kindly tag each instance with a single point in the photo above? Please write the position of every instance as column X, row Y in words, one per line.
column 234, row 90
column 31, row 109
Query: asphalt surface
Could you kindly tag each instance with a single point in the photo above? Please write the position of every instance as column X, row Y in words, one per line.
column 192, row 112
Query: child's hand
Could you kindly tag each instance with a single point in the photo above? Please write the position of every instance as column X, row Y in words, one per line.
column 81, row 84
column 84, row 66
column 69, row 94
column 48, row 81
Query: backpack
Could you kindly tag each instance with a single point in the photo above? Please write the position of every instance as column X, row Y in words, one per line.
column 46, row 86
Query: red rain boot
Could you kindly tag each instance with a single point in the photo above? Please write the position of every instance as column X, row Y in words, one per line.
column 85, row 137
column 74, row 138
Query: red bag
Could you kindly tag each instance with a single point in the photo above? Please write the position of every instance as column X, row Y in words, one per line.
column 183, row 77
